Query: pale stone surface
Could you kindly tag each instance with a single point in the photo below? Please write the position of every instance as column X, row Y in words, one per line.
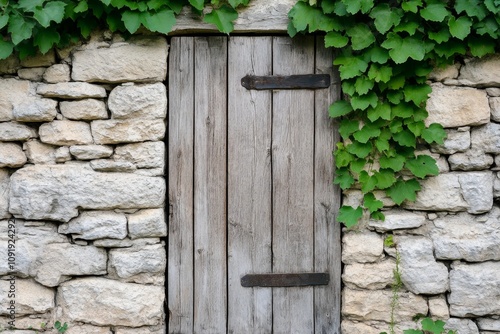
column 150, row 171
column 87, row 329
column 477, row 190
column 143, row 155
column 11, row 131
column 147, row 223
column 468, row 237
column 71, row 90
column 32, row 74
column 373, row 327
column 457, row 106
column 39, row 153
column 462, row 326
column 420, row 272
column 495, row 108
column 486, row 138
column 362, row 247
column 114, row 243
column 87, row 109
column 496, row 186
column 35, row 110
column 91, row 225
column 132, row 101
column 492, row 91
column 12, row 93
column 11, row 155
column 141, row 60
column 398, row 219
column 376, row 305
column 90, row 152
column 456, row 141
column 438, row 308
column 470, row 160
column 482, row 72
column 78, row 301
column 39, row 59
column 62, row 154
column 30, row 297
column 106, row 165
column 470, row 283
column 448, row 72
column 489, row 324
column 57, row 191
column 127, row 131
column 355, row 198
column 139, row 265
column 57, row 73
column 58, row 262
column 371, row 276
column 4, row 194
column 65, row 133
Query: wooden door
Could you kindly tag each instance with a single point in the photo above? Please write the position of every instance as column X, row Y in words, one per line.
column 250, row 187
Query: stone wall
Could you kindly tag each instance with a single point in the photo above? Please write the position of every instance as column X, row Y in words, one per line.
column 82, row 163
column 448, row 241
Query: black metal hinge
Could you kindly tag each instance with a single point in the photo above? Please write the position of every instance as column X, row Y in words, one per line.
column 303, row 81
column 285, row 280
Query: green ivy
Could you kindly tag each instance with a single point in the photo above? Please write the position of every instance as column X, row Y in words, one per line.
column 28, row 26
column 386, row 50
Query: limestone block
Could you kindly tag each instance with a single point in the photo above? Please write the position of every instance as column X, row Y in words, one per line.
column 472, row 192
column 139, row 265
column 91, row 225
column 71, row 90
column 39, row 60
column 78, row 301
column 420, row 272
column 495, row 108
column 87, row 109
column 373, row 327
column 12, row 93
column 147, row 223
column 456, row 141
column 113, row 243
column 470, row 283
column 355, row 198
column 470, row 160
column 31, row 74
column 4, row 194
column 30, row 297
column 150, row 172
column 376, row 305
column 468, row 237
column 362, row 247
column 438, row 308
column 57, row 192
column 35, row 110
column 57, row 73
column 493, row 91
column 457, row 106
column 141, row 59
column 489, row 324
column 62, row 154
column 143, row 155
column 132, row 101
column 486, row 138
column 448, row 72
column 371, row 276
column 58, row 262
column 11, row 131
column 127, row 131
column 87, row 329
column 482, row 72
column 10, row 65
column 398, row 219
column 496, row 185
column 65, row 133
column 461, row 326
column 90, row 152
column 107, row 165
column 39, row 153
column 141, row 330
column 11, row 155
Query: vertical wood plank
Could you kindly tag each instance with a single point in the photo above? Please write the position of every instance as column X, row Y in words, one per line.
column 293, row 181
column 326, row 200
column 180, row 180
column 249, row 185
column 210, row 96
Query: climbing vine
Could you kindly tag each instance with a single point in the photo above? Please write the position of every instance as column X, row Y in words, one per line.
column 387, row 48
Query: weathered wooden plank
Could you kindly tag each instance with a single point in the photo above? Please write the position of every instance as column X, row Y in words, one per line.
column 326, row 200
column 180, row 190
column 249, row 185
column 293, row 177
column 302, row 81
column 210, row 185
column 284, row 280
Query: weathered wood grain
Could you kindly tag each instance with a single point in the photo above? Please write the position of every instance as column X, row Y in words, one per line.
column 249, row 185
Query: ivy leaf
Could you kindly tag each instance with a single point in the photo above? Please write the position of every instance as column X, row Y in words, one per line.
column 354, row 6
column 492, row 5
column 198, row 4
column 328, row 6
column 335, row 39
column 410, row 27
column 404, row 190
column 435, row 12
column 371, row 203
column 161, row 21
column 395, row 96
column 422, row 166
column 380, row 73
column 342, row 157
column 434, row 134
column 87, row 26
column 303, row 16
column 363, row 85
column 385, row 18
column 378, row 54
column 481, row 46
column 382, row 110
column 395, row 163
column 433, row 326
column 488, row 26
column 361, row 36
column 368, row 182
column 411, row 5
column 347, row 127
column 385, row 178
column 361, row 102
column 339, row 108
column 405, row 138
column 343, row 178
column 412, row 331
column 30, row 5
column 460, row 28
column 473, row 8
column 349, row 216
column 45, row 39
column 402, row 110
column 358, row 165
column 236, row 3
column 416, row 128
column 440, row 36
column 53, row 11
column 348, row 87
column 114, row 21
column 19, row 29
column 6, row 48
column 400, row 49
column 132, row 20
column 366, row 133
column 82, row 7
column 417, row 94
column 176, row 5
column 361, row 150
column 4, row 19
column 350, row 67
column 222, row 18
column 450, row 48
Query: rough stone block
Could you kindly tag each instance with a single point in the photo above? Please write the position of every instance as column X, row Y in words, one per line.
column 10, row 65
column 31, row 74
column 62, row 154
column 65, row 133
column 470, row 160
column 71, row 90
column 57, row 73
column 456, row 141
column 140, row 60
column 127, row 131
column 362, row 247
column 58, row 191
column 371, row 276
column 448, row 72
column 438, row 308
column 78, row 301
column 495, row 108
column 12, row 93
column 39, row 153
column 87, row 329
column 486, row 138
column 87, row 109
column 11, row 155
column 11, row 131
column 39, row 60
column 398, row 219
column 90, row 152
column 132, row 101
column 143, row 155
column 4, row 194
column 489, row 324
column 482, row 72
column 35, row 110
column 141, row 330
column 462, row 326
column 30, row 297
column 107, row 165
column 91, row 225
column 147, row 223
